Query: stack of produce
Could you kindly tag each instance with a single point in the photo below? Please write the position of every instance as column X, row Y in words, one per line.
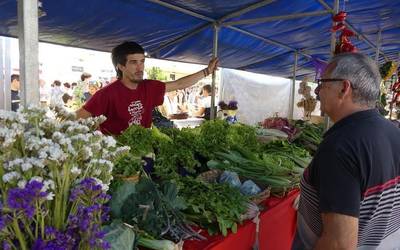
column 163, row 207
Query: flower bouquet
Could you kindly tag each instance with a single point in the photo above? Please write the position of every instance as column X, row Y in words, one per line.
column 54, row 174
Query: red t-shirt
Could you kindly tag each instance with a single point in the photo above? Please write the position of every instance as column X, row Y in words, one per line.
column 123, row 106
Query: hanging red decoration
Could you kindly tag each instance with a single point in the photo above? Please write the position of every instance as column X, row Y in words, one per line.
column 343, row 44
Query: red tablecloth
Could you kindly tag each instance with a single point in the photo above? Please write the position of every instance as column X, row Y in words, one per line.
column 277, row 229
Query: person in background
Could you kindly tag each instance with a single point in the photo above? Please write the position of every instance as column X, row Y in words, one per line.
column 131, row 99
column 204, row 103
column 73, row 85
column 67, row 100
column 350, row 191
column 170, row 104
column 67, row 88
column 81, row 88
column 44, row 93
column 56, row 93
column 15, row 87
column 93, row 88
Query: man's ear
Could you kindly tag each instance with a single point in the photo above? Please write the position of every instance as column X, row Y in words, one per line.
column 346, row 87
column 120, row 66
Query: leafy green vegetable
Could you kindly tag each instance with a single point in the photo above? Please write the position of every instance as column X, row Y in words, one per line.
column 216, row 207
column 213, row 137
column 119, row 197
column 310, row 136
column 243, row 136
column 119, row 236
column 127, row 165
column 138, row 138
column 157, row 210
column 262, row 170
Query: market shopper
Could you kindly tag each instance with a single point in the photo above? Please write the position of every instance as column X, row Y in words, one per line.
column 350, row 192
column 130, row 99
column 15, row 87
column 205, row 103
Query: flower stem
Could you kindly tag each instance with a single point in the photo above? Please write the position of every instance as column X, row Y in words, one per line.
column 18, row 233
column 28, row 230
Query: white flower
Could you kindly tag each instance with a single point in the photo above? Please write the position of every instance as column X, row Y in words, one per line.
column 58, row 136
column 104, row 186
column 80, row 137
column 71, row 149
column 76, row 170
column 56, row 154
column 36, row 178
column 9, row 177
column 36, row 162
column 87, row 153
column 26, row 166
column 48, row 184
column 109, row 141
column 21, row 183
column 13, row 163
column 43, row 154
column 50, row 196
column 97, row 172
column 97, row 133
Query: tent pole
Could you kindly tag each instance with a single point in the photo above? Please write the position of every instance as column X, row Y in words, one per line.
column 378, row 45
column 215, row 54
column 293, row 88
column 333, row 45
column 7, row 73
column 2, row 76
column 28, row 34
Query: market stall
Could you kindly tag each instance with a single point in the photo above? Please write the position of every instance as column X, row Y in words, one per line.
column 158, row 199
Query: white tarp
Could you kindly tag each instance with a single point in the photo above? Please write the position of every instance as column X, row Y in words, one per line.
column 258, row 96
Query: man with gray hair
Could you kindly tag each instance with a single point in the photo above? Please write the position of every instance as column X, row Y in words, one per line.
column 350, row 193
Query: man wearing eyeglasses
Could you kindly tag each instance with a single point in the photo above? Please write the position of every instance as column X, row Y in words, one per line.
column 350, row 193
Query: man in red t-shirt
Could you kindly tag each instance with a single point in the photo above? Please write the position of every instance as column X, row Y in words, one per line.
column 130, row 99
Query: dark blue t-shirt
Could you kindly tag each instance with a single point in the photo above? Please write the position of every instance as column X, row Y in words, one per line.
column 355, row 172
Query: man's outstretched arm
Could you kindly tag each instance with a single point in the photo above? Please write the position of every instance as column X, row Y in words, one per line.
column 189, row 80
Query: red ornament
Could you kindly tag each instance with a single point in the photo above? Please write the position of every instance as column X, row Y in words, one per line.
column 339, row 17
column 344, row 44
column 348, row 32
column 339, row 26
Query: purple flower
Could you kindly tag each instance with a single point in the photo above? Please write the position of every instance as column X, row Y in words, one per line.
column 23, row 199
column 50, row 232
column 6, row 245
column 85, row 223
column 4, row 221
column 39, row 244
column 233, row 105
column 105, row 244
column 88, row 188
column 58, row 241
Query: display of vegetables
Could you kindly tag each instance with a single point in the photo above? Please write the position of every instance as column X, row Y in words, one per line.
column 161, row 210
